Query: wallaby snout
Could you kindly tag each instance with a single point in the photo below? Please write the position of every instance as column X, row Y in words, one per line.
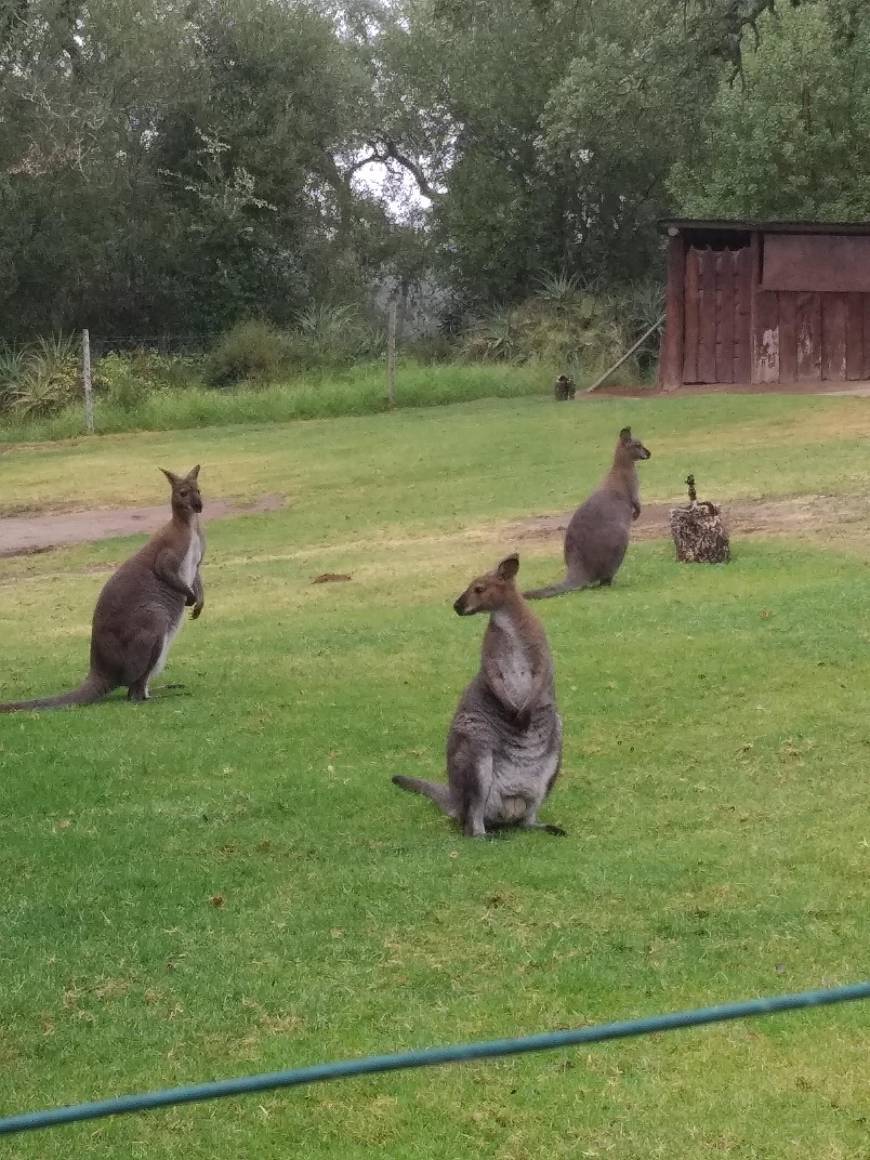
column 645, row 452
column 459, row 606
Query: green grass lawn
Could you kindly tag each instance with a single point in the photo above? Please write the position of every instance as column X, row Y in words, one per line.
column 715, row 792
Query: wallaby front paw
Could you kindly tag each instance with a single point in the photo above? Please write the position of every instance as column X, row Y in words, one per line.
column 197, row 609
column 523, row 719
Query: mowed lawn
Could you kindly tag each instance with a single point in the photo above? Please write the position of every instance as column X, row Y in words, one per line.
column 224, row 881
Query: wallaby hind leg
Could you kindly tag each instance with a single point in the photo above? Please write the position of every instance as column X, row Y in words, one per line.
column 142, row 658
column 473, row 771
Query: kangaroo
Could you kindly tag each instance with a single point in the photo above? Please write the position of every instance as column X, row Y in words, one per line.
column 141, row 607
column 597, row 536
column 504, row 748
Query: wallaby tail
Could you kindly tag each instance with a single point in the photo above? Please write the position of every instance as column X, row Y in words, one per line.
column 440, row 794
column 567, row 585
column 92, row 689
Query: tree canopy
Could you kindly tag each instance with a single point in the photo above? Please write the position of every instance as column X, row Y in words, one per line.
column 169, row 166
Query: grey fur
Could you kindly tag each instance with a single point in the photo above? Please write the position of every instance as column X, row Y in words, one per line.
column 597, row 536
column 504, row 748
column 141, row 607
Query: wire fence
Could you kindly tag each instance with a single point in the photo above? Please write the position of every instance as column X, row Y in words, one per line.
column 163, row 344
column 460, row 1053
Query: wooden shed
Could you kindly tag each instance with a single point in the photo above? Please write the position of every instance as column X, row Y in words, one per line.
column 766, row 302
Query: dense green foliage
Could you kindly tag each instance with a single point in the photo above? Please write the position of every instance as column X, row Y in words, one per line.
column 169, row 167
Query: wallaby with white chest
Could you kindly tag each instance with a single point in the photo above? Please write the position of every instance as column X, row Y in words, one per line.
column 504, row 749
column 141, row 607
column 597, row 536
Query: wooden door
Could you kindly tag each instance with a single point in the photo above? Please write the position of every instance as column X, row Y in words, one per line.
column 716, row 298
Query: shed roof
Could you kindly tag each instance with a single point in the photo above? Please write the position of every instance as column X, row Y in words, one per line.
column 680, row 224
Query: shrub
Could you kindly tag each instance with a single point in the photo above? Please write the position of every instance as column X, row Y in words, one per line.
column 44, row 378
column 333, row 336
column 127, row 377
column 12, row 368
column 115, row 375
column 251, row 350
column 640, row 306
column 563, row 326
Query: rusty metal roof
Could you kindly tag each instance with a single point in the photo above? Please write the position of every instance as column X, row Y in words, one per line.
column 750, row 226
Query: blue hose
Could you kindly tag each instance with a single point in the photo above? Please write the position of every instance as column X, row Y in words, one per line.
column 460, row 1053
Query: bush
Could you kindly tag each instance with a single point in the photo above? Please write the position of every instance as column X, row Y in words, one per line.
column 251, row 350
column 12, row 369
column 127, row 377
column 41, row 379
column 334, row 336
column 640, row 306
column 325, row 337
column 563, row 325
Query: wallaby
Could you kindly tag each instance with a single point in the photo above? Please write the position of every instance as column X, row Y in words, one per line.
column 504, row 748
column 141, row 607
column 597, row 536
column 564, row 389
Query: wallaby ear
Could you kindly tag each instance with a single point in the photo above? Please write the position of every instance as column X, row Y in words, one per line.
column 193, row 473
column 625, row 435
column 509, row 567
column 171, row 476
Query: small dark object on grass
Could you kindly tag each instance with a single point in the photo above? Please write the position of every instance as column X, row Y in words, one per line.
column 699, row 533
column 564, row 388
column 330, row 577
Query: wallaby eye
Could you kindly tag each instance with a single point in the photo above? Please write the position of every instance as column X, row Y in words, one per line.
column 478, row 588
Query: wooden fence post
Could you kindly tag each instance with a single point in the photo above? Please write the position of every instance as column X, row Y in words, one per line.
column 86, row 381
column 391, row 354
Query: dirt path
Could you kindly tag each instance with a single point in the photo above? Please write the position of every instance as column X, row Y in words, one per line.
column 831, row 517
column 23, row 535
column 860, row 389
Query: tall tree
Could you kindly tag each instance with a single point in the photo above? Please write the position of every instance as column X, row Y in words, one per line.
column 791, row 139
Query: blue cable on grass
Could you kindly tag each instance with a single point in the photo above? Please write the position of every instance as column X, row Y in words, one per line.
column 458, row 1054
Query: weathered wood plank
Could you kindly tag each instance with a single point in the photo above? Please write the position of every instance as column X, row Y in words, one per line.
column 822, row 263
column 865, row 305
column 787, row 337
column 690, row 338
column 854, row 336
column 707, row 318
column 809, row 337
column 834, row 337
column 725, row 316
column 671, row 361
column 765, row 323
column 742, row 332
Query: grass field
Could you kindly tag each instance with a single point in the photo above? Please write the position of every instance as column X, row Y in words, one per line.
column 224, row 881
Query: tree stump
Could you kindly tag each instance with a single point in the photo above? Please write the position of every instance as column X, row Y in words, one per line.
column 698, row 531
column 564, row 388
